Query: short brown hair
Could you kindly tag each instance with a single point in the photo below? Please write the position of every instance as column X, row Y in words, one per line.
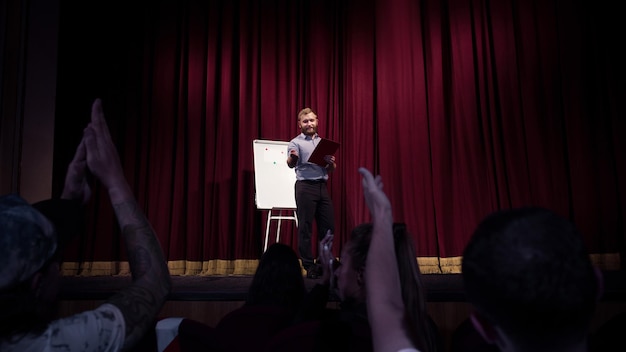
column 304, row 112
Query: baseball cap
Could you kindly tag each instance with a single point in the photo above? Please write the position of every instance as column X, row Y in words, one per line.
column 27, row 240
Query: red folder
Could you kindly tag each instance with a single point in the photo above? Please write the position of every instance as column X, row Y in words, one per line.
column 323, row 148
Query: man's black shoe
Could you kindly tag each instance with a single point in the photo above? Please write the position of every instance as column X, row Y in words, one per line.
column 312, row 273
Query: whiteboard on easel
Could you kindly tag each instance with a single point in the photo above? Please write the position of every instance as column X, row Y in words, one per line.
column 274, row 181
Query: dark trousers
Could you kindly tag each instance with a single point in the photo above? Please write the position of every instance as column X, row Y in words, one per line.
column 312, row 203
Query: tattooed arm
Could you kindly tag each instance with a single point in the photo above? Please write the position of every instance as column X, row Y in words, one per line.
column 141, row 302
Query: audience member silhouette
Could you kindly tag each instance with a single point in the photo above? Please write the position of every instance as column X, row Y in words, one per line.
column 278, row 279
column 300, row 335
column 29, row 263
column 348, row 328
column 273, row 299
column 529, row 277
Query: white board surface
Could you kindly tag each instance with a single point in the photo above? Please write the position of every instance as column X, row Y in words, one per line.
column 273, row 180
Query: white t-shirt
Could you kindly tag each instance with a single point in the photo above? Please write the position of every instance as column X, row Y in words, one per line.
column 102, row 329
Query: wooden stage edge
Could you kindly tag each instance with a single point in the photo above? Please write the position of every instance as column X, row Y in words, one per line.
column 440, row 287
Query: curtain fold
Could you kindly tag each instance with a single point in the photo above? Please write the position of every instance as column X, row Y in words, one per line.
column 463, row 106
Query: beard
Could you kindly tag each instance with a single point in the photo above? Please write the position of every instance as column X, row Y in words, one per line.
column 309, row 131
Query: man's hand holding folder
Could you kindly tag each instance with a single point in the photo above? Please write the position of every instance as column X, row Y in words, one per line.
column 323, row 152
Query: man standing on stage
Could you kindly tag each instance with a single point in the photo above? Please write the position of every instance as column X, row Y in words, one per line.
column 312, row 198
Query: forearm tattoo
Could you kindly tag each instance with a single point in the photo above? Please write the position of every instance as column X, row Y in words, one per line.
column 141, row 302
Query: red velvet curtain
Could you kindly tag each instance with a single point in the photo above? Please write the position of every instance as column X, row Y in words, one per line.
column 463, row 106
